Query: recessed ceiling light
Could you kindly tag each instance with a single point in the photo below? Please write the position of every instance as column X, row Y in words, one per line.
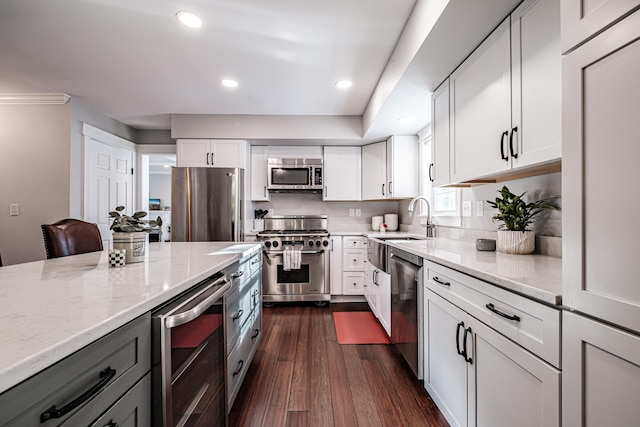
column 406, row 119
column 189, row 19
column 229, row 83
column 344, row 84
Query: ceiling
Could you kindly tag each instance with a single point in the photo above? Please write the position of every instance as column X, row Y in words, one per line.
column 135, row 62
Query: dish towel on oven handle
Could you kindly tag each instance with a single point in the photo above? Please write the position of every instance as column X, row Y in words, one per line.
column 292, row 258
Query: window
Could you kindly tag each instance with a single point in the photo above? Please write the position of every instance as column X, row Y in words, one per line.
column 444, row 201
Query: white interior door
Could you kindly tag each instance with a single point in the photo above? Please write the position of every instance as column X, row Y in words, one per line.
column 108, row 182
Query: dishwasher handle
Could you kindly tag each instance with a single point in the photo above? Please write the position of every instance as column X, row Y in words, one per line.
column 203, row 301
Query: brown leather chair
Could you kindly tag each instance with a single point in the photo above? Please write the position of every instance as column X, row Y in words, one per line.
column 71, row 237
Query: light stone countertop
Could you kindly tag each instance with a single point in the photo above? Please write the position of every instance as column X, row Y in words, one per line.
column 534, row 276
column 52, row 308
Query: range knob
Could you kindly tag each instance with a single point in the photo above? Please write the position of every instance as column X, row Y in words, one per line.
column 267, row 244
column 325, row 243
column 275, row 244
column 318, row 243
column 310, row 242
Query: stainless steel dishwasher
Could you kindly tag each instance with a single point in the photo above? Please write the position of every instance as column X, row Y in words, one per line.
column 406, row 306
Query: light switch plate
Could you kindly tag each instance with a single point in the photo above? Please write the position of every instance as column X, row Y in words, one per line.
column 466, row 208
column 358, row 212
column 14, row 209
column 479, row 208
column 351, row 212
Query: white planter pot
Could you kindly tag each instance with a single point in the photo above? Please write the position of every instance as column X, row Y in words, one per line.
column 516, row 242
column 134, row 243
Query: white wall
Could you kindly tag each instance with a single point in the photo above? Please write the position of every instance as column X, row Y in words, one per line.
column 34, row 173
column 160, row 188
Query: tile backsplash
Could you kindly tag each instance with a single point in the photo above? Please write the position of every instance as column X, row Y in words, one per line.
column 338, row 212
column 547, row 226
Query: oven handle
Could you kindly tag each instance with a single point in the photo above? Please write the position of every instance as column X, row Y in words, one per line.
column 206, row 301
column 302, row 252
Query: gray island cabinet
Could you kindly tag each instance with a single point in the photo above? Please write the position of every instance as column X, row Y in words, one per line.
column 82, row 354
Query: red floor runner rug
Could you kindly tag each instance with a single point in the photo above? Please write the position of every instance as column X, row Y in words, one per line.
column 358, row 327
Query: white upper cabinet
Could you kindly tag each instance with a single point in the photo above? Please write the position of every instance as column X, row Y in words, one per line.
column 219, row 153
column 505, row 98
column 342, row 173
column 439, row 168
column 390, row 169
column 601, row 100
column 481, row 109
column 403, row 163
column 259, row 173
column 582, row 19
column 374, row 171
column 536, row 72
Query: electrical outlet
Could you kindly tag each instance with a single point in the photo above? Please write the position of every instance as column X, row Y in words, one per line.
column 358, row 212
column 351, row 212
column 13, row 209
column 479, row 208
column 466, row 208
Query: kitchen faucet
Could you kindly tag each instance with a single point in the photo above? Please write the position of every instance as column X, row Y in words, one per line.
column 430, row 227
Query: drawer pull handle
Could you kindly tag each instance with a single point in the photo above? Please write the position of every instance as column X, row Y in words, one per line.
column 505, row 315
column 256, row 332
column 111, row 424
column 237, row 315
column 460, row 352
column 467, row 359
column 239, row 368
column 105, row 376
column 255, row 261
column 236, row 275
column 437, row 280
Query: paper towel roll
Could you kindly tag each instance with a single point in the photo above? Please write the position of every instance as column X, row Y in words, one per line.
column 392, row 222
column 375, row 222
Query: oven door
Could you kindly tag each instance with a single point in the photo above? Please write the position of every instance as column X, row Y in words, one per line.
column 189, row 358
column 309, row 279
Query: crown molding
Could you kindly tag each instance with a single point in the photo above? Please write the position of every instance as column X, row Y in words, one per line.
column 34, row 99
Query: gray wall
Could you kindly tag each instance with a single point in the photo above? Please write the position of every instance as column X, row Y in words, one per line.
column 41, row 170
column 82, row 113
column 34, row 173
column 162, row 137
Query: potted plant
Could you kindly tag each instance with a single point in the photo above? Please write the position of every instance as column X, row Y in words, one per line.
column 130, row 233
column 516, row 215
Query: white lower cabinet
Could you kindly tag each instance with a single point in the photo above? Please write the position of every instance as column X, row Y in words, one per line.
column 383, row 281
column 601, row 374
column 335, row 265
column 477, row 376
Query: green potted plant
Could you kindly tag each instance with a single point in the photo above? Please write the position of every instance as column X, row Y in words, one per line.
column 514, row 236
column 130, row 233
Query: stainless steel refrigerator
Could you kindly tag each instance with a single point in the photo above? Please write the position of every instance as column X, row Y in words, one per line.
column 207, row 204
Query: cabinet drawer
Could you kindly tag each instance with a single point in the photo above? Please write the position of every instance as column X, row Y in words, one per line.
column 354, row 242
column 119, row 360
column 353, row 283
column 237, row 311
column 133, row 409
column 240, row 357
column 354, row 259
column 530, row 324
column 255, row 263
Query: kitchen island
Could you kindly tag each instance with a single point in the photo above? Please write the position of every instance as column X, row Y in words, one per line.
column 53, row 308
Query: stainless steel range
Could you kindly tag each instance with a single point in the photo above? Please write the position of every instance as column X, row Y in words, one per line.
column 305, row 280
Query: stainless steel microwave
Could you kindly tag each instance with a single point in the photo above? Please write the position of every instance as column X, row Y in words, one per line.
column 294, row 174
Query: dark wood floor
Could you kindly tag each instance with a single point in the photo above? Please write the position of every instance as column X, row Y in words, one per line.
column 301, row 376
